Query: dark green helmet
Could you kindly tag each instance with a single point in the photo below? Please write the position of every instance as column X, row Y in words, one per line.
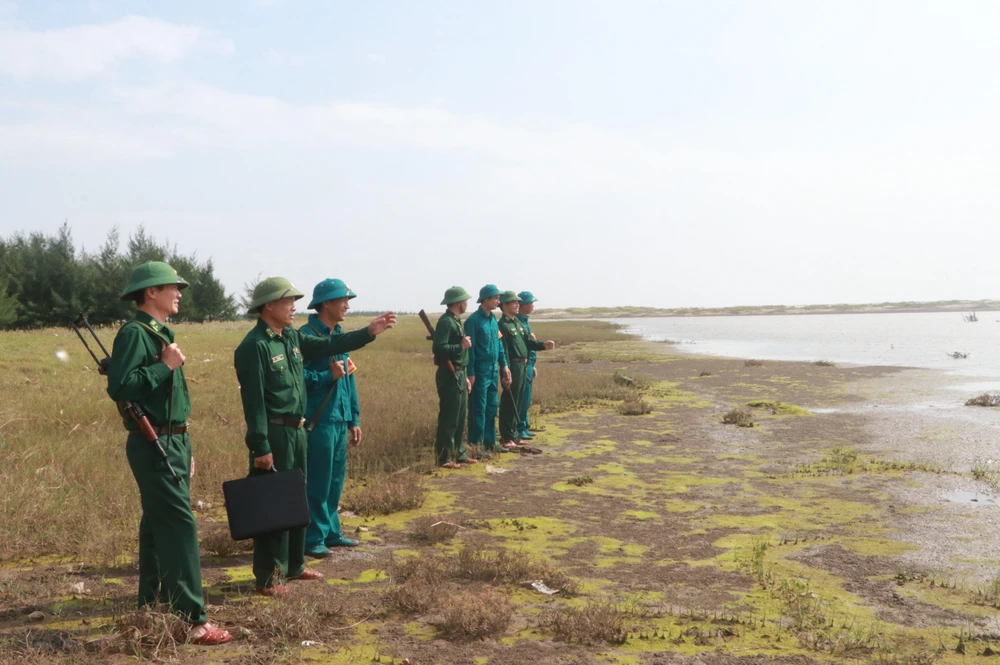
column 271, row 289
column 151, row 273
column 508, row 296
column 455, row 294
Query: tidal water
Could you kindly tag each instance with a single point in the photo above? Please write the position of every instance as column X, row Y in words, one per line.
column 908, row 340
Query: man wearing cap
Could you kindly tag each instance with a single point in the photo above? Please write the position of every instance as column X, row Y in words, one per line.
column 146, row 367
column 269, row 366
column 453, row 385
column 332, row 416
column 527, row 302
column 485, row 353
column 517, row 344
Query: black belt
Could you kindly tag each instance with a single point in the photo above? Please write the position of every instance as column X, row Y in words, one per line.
column 297, row 423
column 162, row 430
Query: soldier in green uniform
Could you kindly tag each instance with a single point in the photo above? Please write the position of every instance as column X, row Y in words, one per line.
column 269, row 366
column 517, row 343
column 453, row 386
column 485, row 355
column 146, row 367
column 526, row 305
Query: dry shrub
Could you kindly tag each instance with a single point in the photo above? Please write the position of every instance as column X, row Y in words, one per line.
column 386, row 493
column 986, row 399
column 428, row 569
column 580, row 481
column 597, row 621
column 293, row 619
column 476, row 615
column 635, row 407
column 432, row 529
column 753, row 362
column 219, row 543
column 149, row 632
column 825, row 363
column 741, row 416
column 477, row 563
column 704, row 374
column 414, row 596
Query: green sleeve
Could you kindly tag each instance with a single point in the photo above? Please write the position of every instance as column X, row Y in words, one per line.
column 471, row 331
column 534, row 344
column 250, row 367
column 442, row 334
column 324, row 347
column 128, row 378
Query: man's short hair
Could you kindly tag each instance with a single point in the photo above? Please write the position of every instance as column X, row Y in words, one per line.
column 140, row 296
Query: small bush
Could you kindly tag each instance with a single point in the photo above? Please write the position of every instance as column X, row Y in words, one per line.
column 986, row 399
column 479, row 564
column 778, row 408
column 149, row 632
column 597, row 621
column 635, row 407
column 741, row 416
column 383, row 494
column 824, row 363
column 580, row 481
column 704, row 374
column 841, row 459
column 432, row 529
column 474, row 616
column 219, row 543
column 414, row 596
column 753, row 362
column 293, row 619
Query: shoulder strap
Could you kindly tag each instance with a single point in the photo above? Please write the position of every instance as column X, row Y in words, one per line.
column 307, row 325
column 156, row 335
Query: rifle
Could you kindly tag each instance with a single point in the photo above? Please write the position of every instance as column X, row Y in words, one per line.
column 131, row 408
column 430, row 329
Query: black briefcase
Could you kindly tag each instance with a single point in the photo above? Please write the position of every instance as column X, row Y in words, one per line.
column 266, row 503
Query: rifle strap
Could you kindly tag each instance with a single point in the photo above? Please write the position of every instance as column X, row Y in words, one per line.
column 170, row 383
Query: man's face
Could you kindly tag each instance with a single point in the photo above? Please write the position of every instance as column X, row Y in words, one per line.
column 281, row 311
column 491, row 303
column 510, row 308
column 165, row 298
column 463, row 306
column 337, row 308
column 527, row 308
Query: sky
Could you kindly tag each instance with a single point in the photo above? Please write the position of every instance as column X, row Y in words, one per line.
column 659, row 153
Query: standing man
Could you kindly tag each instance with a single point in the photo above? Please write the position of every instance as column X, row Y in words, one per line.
column 527, row 302
column 332, row 414
column 269, row 366
column 453, row 385
column 485, row 353
column 146, row 367
column 517, row 343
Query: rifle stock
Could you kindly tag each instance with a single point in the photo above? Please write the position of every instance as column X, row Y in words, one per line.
column 430, row 336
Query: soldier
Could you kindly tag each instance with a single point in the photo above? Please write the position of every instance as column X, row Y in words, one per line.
column 146, row 367
column 527, row 302
column 269, row 366
column 453, row 385
column 333, row 413
column 485, row 352
column 517, row 344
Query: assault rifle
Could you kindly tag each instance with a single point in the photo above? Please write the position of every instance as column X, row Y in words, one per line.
column 430, row 337
column 130, row 408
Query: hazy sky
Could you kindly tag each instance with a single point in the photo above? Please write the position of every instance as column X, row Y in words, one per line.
column 690, row 153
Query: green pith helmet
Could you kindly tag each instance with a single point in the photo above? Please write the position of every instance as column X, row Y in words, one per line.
column 455, row 294
column 488, row 291
column 151, row 273
column 271, row 289
column 508, row 296
column 330, row 289
column 526, row 297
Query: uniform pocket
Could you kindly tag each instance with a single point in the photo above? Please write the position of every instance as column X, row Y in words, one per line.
column 280, row 374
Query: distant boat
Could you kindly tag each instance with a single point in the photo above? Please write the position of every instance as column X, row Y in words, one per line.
column 970, row 318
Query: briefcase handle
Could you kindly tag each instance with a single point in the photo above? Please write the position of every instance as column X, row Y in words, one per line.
column 250, row 473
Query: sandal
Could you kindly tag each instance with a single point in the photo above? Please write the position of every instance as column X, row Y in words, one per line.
column 308, row 575
column 471, row 460
column 212, row 636
column 510, row 445
column 451, row 465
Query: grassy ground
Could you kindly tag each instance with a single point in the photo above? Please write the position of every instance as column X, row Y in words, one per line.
column 670, row 536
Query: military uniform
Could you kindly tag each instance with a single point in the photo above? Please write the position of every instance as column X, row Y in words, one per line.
column 452, row 389
column 327, row 453
column 517, row 345
column 270, row 370
column 529, row 377
column 169, row 560
column 485, row 354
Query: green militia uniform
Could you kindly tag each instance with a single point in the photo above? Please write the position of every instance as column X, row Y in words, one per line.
column 517, row 344
column 452, row 389
column 169, row 561
column 273, row 390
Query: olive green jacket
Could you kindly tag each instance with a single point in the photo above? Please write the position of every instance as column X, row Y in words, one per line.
column 517, row 340
column 448, row 336
column 138, row 375
column 270, row 372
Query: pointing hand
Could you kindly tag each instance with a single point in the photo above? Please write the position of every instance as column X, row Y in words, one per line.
column 381, row 323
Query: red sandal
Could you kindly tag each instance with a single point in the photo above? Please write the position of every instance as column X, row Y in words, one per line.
column 212, row 636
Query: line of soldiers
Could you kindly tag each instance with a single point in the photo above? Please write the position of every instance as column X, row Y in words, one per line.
column 476, row 357
column 301, row 409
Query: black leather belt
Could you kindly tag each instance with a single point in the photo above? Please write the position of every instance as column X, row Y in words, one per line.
column 297, row 423
column 162, row 430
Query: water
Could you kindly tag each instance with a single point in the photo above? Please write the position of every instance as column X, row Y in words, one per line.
column 908, row 340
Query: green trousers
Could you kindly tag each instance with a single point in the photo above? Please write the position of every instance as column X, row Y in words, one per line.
column 327, row 471
column 529, row 382
column 282, row 555
column 510, row 403
column 169, row 560
column 453, row 392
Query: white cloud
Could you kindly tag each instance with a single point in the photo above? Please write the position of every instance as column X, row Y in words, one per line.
column 85, row 51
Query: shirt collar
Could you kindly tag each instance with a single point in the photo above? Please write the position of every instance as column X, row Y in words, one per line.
column 266, row 330
column 318, row 324
column 151, row 322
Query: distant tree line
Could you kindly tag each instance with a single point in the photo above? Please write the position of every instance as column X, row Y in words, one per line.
column 45, row 281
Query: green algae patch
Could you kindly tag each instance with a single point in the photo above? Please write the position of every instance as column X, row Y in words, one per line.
column 678, row 506
column 420, row 631
column 639, row 515
column 404, row 553
column 667, row 394
column 371, row 575
column 239, row 573
column 536, row 535
column 876, row 546
column 592, row 449
column 779, row 408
